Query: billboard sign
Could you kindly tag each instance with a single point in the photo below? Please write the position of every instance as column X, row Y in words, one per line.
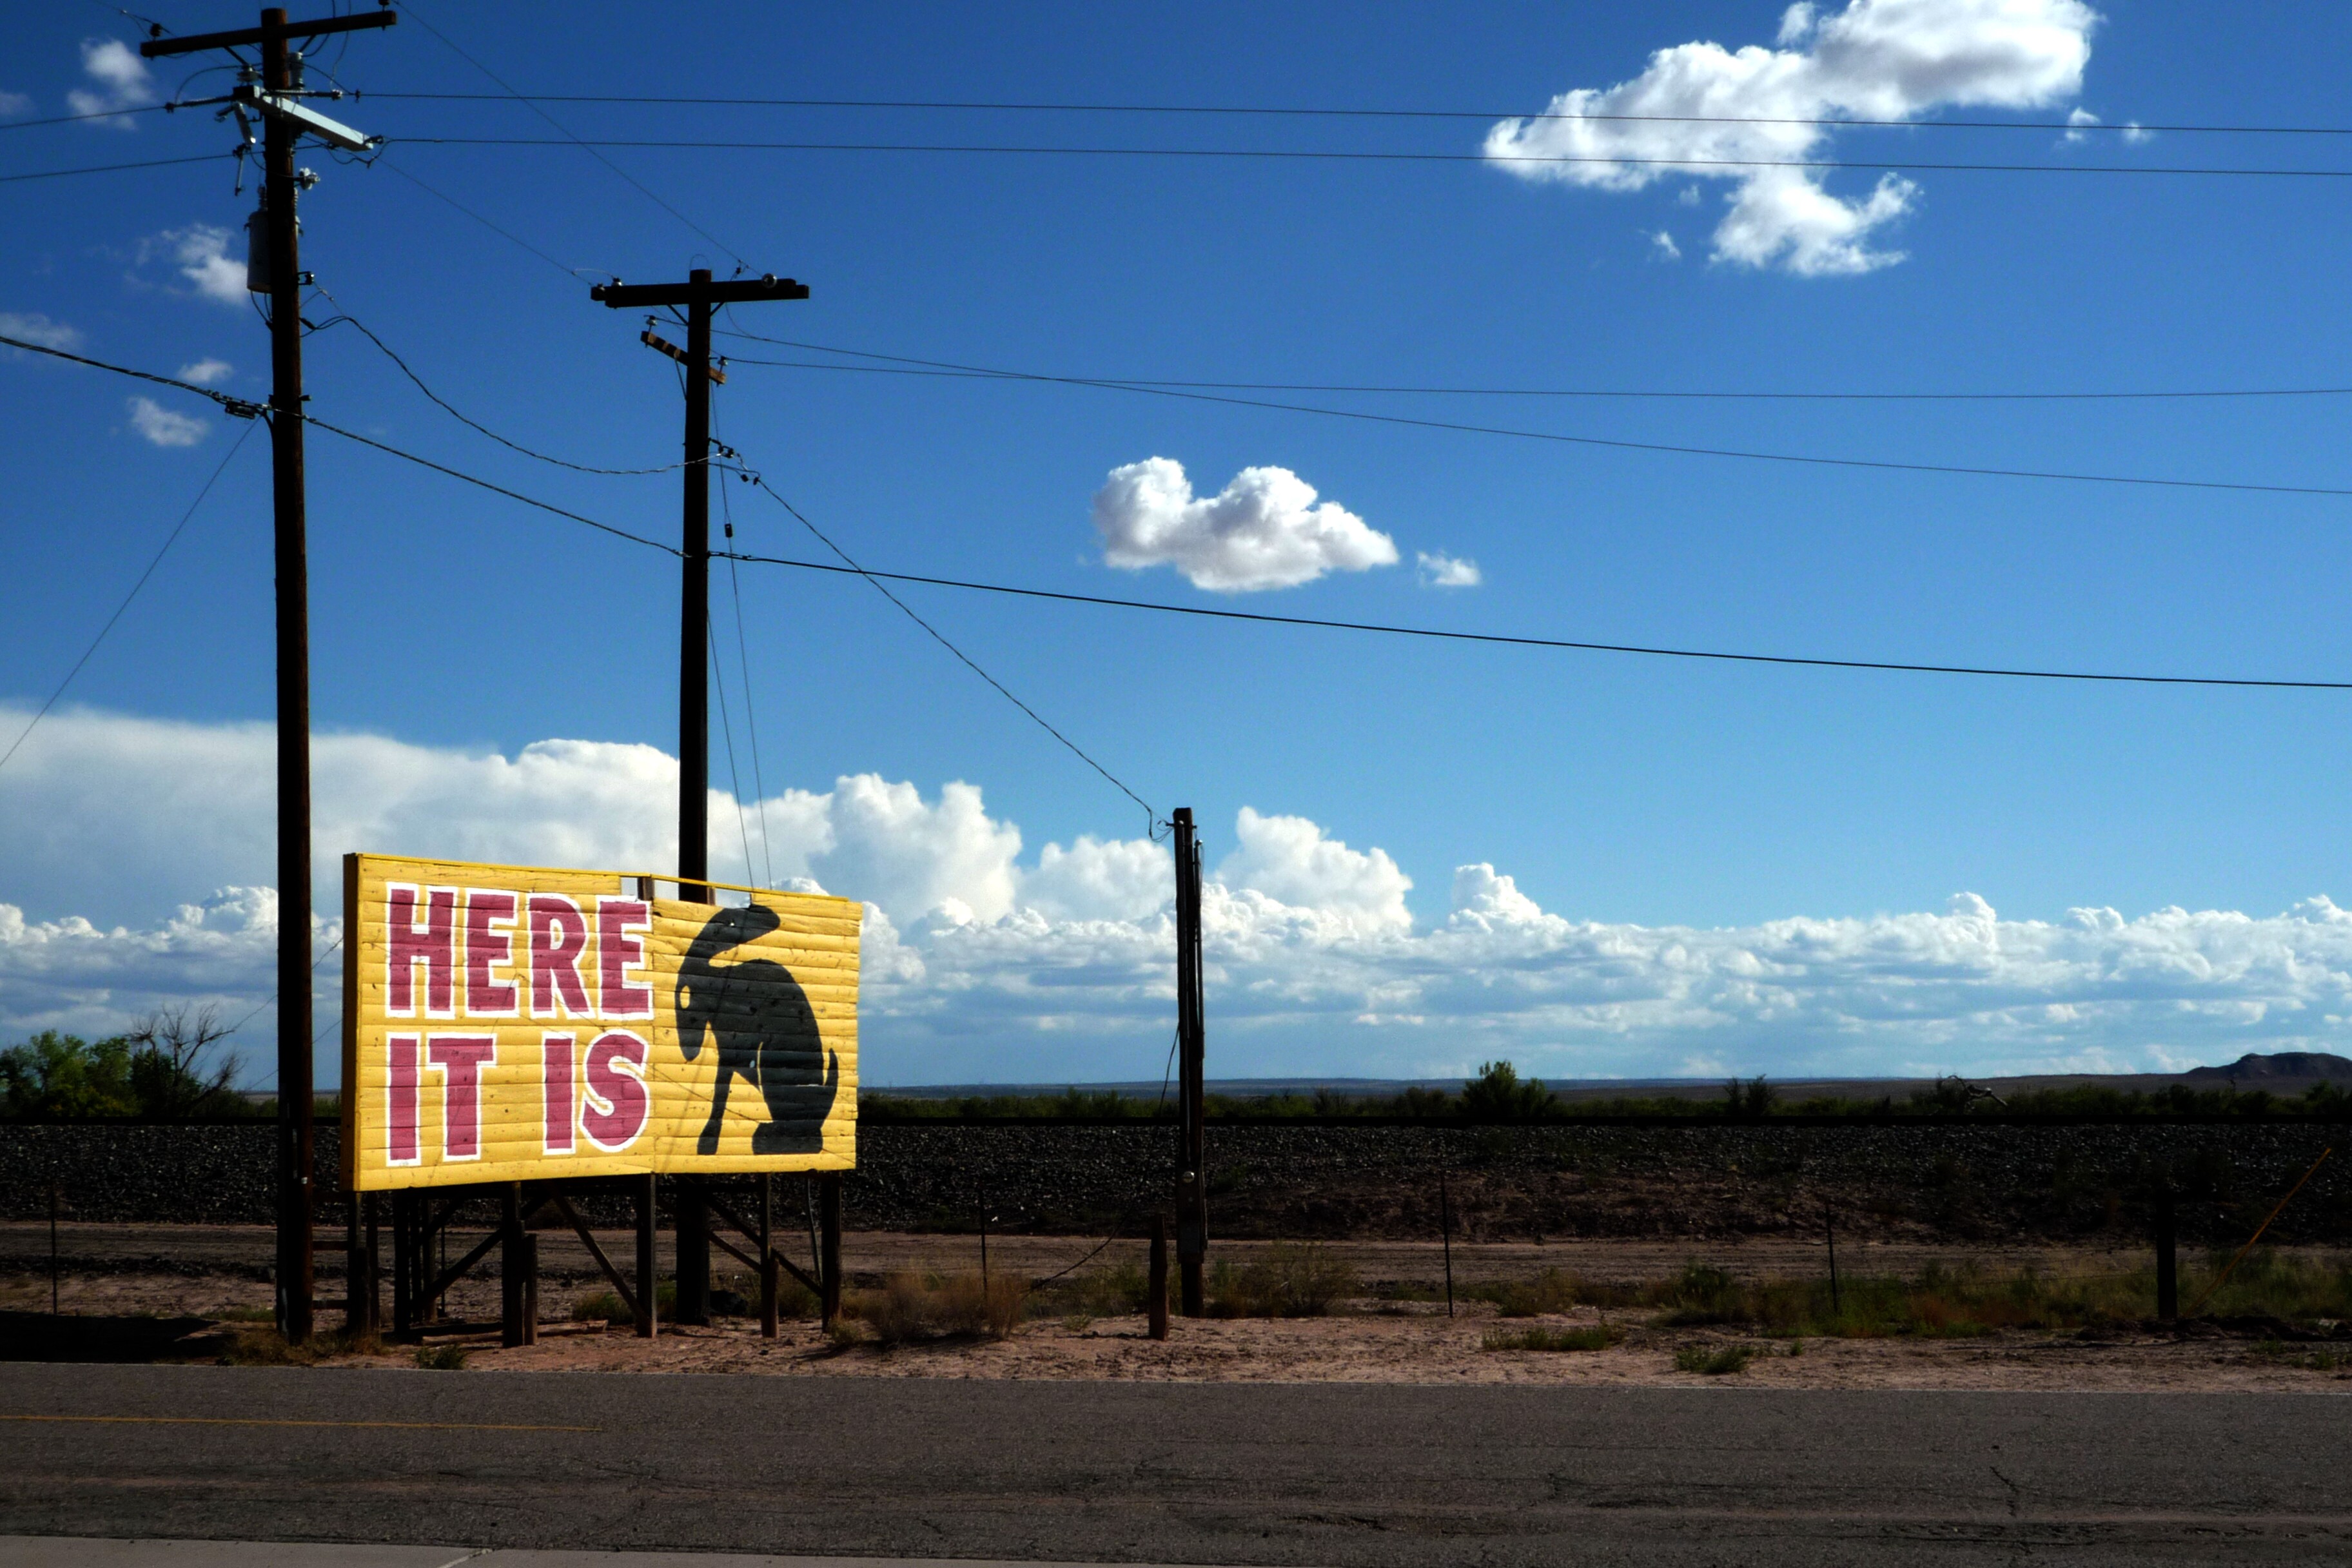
column 510, row 1023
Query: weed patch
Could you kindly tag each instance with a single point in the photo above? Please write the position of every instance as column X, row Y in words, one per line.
column 1718, row 1362
column 910, row 1308
column 441, row 1358
column 1541, row 1339
column 1287, row 1281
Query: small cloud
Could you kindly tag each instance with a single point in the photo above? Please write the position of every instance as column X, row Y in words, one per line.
column 14, row 103
column 2134, row 131
column 35, row 328
column 163, row 427
column 1439, row 570
column 2076, row 121
column 1667, row 247
column 207, row 371
column 123, row 78
column 1687, row 197
column 200, row 251
column 1265, row 530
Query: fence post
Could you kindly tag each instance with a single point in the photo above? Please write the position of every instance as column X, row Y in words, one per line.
column 2168, row 1270
column 1446, row 1228
column 404, row 1264
column 1155, row 1297
column 648, row 1263
column 770, row 1273
column 512, row 1330
column 828, row 1200
column 372, row 1253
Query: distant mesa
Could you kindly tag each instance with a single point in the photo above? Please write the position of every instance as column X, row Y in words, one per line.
column 2254, row 1066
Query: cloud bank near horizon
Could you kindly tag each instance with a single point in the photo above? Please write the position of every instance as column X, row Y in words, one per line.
column 985, row 962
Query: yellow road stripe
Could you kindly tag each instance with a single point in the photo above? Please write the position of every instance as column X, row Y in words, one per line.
column 247, row 1421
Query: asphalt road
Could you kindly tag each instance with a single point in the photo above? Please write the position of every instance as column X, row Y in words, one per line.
column 1331, row 1474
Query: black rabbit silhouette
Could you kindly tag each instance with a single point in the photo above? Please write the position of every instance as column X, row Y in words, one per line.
column 764, row 1028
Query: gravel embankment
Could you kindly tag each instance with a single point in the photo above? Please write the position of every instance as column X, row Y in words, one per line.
column 1956, row 1183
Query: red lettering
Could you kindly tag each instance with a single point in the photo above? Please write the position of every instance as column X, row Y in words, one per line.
column 407, row 944
column 461, row 1059
column 616, row 1104
column 489, row 941
column 555, row 1054
column 617, row 952
column 400, row 1101
column 559, row 940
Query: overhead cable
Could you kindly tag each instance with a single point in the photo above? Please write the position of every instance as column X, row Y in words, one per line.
column 1361, row 156
column 1587, row 393
column 2124, row 128
column 590, row 148
column 111, row 168
column 1809, row 459
column 1498, row 637
column 875, row 579
column 157, row 560
column 94, row 115
column 344, row 318
column 878, row 578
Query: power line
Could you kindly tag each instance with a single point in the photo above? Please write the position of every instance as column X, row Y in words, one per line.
column 157, row 560
column 110, row 168
column 1589, row 393
column 743, row 652
column 1498, row 637
column 94, row 115
column 987, row 373
column 937, row 635
column 2126, row 128
column 344, row 318
column 380, row 161
column 878, row 578
column 1361, row 156
column 585, row 146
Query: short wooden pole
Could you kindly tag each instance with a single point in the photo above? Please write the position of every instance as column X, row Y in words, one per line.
column 829, row 1240
column 404, row 1263
column 772, row 1282
column 1155, row 1297
column 512, row 1291
column 372, row 1246
column 689, row 1213
column 1445, row 1229
column 648, row 1263
column 529, row 1250
column 2167, row 1264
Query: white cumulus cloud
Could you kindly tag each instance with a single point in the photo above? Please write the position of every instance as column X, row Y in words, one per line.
column 981, row 962
column 205, row 371
column 1439, row 570
column 1874, row 60
column 122, row 77
column 14, row 103
column 35, row 327
column 200, row 251
column 1265, row 529
column 165, row 427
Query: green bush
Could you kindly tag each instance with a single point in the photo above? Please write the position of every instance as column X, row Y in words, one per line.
column 1713, row 1363
column 441, row 1358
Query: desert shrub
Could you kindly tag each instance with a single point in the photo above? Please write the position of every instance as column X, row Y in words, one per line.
column 1287, row 1281
column 1114, row 1290
column 909, row 1307
column 1703, row 1293
column 604, row 1305
column 441, row 1358
column 1553, row 1290
column 1715, row 1362
column 1598, row 1338
column 246, row 1315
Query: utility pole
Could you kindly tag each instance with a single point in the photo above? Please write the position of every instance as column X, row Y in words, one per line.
column 275, row 97
column 696, row 297
column 1192, row 1145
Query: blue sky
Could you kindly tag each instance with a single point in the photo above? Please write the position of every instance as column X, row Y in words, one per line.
column 1623, row 797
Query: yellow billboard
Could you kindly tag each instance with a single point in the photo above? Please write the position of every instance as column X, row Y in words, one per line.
column 513, row 1024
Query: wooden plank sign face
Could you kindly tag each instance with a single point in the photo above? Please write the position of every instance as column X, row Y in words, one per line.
column 508, row 1022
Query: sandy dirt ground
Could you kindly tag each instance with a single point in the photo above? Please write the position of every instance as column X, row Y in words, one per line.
column 220, row 1273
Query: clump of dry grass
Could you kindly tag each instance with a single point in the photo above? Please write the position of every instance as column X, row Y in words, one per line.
column 1598, row 1338
column 1718, row 1362
column 1287, row 1281
column 911, row 1307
